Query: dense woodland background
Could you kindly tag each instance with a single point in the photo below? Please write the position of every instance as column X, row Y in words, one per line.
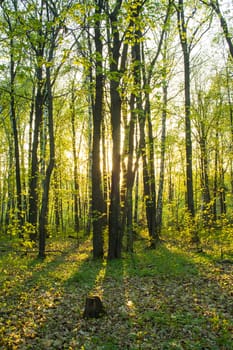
column 116, row 117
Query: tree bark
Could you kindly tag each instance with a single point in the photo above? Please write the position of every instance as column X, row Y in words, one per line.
column 146, row 154
column 75, row 169
column 97, row 191
column 19, row 206
column 34, row 171
column 182, row 26
column 162, row 161
column 43, row 218
column 215, row 6
column 115, row 230
column 130, row 176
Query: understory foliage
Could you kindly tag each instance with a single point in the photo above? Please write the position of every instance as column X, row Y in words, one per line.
column 171, row 298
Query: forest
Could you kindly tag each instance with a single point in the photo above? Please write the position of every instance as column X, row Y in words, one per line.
column 116, row 173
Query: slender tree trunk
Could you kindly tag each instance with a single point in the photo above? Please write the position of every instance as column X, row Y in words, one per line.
column 19, row 213
column 38, row 49
column 34, row 171
column 182, row 25
column 57, row 200
column 43, row 219
column 97, row 190
column 215, row 185
column 147, row 160
column 105, row 171
column 91, row 104
column 151, row 204
column 130, row 177
column 206, row 211
column 75, row 170
column 136, row 199
column 215, row 5
column 162, row 161
column 230, row 104
column 10, row 182
column 115, row 234
column 222, row 187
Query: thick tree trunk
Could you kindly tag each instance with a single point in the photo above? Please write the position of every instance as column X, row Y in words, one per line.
column 115, row 230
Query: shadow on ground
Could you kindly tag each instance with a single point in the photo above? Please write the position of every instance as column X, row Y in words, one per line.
column 163, row 299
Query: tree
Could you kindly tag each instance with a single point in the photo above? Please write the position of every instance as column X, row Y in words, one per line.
column 165, row 78
column 41, row 26
column 182, row 26
column 97, row 188
column 214, row 4
column 52, row 37
column 203, row 123
column 144, row 74
column 116, row 69
column 15, row 54
column 75, row 157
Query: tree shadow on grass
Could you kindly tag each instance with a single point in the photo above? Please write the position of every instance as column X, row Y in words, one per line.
column 46, row 303
column 162, row 299
column 179, row 302
column 106, row 332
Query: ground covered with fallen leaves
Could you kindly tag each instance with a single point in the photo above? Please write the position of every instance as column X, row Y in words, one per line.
column 169, row 298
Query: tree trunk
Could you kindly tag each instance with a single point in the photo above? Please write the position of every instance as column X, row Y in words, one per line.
column 223, row 22
column 230, row 104
column 130, row 177
column 115, row 234
column 162, row 161
column 182, row 26
column 34, row 171
column 215, row 185
column 115, row 230
column 97, row 192
column 19, row 207
column 75, row 169
column 147, row 160
column 43, row 219
column 206, row 210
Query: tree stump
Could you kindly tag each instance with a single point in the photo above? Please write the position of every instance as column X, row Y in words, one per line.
column 93, row 307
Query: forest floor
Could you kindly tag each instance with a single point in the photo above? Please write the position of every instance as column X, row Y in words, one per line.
column 169, row 298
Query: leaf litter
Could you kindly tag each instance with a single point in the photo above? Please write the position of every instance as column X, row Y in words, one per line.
column 165, row 299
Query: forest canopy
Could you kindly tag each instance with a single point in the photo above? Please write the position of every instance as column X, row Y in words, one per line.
column 116, row 117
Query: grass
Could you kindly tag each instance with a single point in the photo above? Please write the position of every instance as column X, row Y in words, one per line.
column 163, row 299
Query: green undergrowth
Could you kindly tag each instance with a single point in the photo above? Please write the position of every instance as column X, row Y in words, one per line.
column 168, row 298
column 165, row 260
